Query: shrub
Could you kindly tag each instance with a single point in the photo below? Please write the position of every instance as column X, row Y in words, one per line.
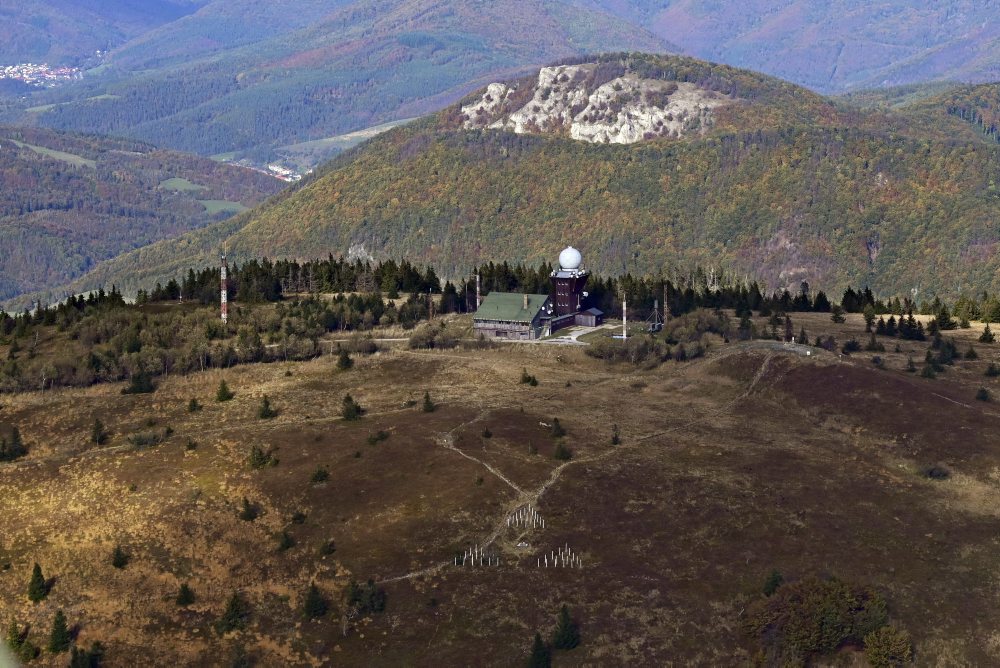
column 90, row 658
column 487, row 433
column 850, row 346
column 936, row 472
column 185, row 595
column 773, row 581
column 140, row 441
column 223, row 393
column 366, row 598
column 562, row 453
column 982, row 394
column 351, row 410
column 119, row 559
column 616, row 437
column 258, row 458
column 191, row 444
column 992, row 371
column 327, row 547
column 814, row 616
column 298, row 517
column 193, row 406
column 971, row 354
column 12, row 448
column 928, row 372
column 285, row 541
column 910, row 366
column 557, row 429
column 888, row 647
column 249, row 512
column 320, row 475
column 141, row 383
column 377, row 437
column 527, row 379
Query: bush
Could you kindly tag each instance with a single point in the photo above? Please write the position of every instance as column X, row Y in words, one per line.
column 119, row 559
column 982, row 394
column 850, row 346
column 249, row 512
column 258, row 458
column 527, row 379
column 141, row 383
column 285, row 541
column 351, row 410
column 377, row 437
column 888, row 647
column 814, row 616
column 223, row 393
column 773, row 581
column 90, row 658
column 193, row 406
column 928, row 372
column 562, row 453
column 971, row 354
column 557, row 429
column 320, row 475
column 12, row 448
column 936, row 472
column 992, row 371
column 487, row 433
column 366, row 598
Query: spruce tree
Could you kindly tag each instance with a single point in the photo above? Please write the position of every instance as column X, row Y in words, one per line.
column 351, row 410
column 344, row 361
column 428, row 406
column 38, row 589
column 315, row 605
column 987, row 335
column 540, row 655
column 223, row 393
column 557, row 429
column 567, row 634
column 119, row 559
column 234, row 617
column 59, row 638
column 185, row 595
column 98, row 435
column 266, row 411
column 194, row 406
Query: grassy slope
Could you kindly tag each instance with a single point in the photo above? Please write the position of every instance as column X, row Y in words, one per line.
column 731, row 466
column 788, row 186
column 73, row 201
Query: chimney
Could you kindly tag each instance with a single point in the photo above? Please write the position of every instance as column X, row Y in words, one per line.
column 525, row 301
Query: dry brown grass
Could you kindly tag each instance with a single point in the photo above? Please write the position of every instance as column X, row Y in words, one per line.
column 748, row 460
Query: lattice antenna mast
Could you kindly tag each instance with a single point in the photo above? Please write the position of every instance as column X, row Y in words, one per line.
column 224, row 279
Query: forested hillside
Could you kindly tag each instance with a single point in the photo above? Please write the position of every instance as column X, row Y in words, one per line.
column 785, row 186
column 245, row 75
column 68, row 32
column 68, row 202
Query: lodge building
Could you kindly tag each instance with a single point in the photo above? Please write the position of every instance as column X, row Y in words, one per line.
column 525, row 317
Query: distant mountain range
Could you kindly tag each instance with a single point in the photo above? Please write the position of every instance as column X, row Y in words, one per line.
column 225, row 76
column 649, row 163
column 68, row 202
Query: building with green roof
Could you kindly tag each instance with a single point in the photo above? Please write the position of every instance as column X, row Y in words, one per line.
column 512, row 315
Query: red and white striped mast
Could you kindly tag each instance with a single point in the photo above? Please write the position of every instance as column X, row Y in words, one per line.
column 224, row 276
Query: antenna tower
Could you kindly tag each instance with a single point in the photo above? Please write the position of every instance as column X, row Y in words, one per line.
column 224, row 277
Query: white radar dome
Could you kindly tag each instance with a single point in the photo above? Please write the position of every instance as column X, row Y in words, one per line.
column 570, row 259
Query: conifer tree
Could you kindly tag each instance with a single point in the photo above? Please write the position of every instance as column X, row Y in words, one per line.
column 557, row 429
column 223, row 393
column 428, row 406
column 234, row 617
column 13, row 448
column 540, row 655
column 193, row 406
column 344, row 361
column 266, row 411
column 987, row 336
column 59, row 638
column 38, row 589
column 351, row 409
column 249, row 512
column 119, row 559
column 98, row 435
column 315, row 605
column 185, row 595
column 567, row 634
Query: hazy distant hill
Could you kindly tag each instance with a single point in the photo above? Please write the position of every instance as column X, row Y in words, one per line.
column 67, row 202
column 70, row 31
column 772, row 180
column 240, row 74
column 831, row 46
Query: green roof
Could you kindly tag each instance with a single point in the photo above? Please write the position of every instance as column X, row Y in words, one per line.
column 509, row 306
